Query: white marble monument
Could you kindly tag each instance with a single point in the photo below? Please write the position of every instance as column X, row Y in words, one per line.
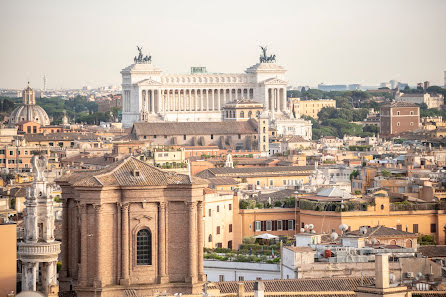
column 150, row 95
column 39, row 251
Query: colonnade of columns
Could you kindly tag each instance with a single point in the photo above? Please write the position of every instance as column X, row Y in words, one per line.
column 183, row 100
column 275, row 99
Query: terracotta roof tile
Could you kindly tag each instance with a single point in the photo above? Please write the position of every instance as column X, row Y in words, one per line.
column 301, row 285
column 128, row 172
column 195, row 128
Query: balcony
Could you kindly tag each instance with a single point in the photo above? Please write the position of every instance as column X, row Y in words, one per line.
column 38, row 248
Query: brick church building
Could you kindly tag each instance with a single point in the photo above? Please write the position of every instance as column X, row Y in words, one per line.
column 131, row 228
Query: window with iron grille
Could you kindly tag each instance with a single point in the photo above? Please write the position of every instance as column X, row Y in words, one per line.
column 144, row 247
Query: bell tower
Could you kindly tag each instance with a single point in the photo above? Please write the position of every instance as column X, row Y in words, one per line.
column 39, row 251
column 28, row 95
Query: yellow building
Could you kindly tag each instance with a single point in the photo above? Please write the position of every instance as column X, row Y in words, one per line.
column 310, row 107
column 8, row 259
column 218, row 212
column 423, row 220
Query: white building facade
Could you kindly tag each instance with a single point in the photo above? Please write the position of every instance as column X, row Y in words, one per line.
column 150, row 95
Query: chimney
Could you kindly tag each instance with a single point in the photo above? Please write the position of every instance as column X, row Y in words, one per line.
column 241, row 290
column 259, row 289
column 382, row 271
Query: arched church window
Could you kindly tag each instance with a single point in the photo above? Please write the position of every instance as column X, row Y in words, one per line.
column 250, row 114
column 144, row 247
column 210, row 238
column 264, row 129
column 242, row 114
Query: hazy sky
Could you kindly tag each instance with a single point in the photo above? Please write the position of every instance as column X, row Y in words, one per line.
column 77, row 43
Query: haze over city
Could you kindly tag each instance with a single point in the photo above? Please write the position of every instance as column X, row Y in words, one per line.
column 77, row 43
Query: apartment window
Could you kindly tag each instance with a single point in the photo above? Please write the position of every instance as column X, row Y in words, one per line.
column 271, row 182
column 398, row 113
column 398, row 124
column 11, row 153
column 230, row 228
column 258, row 183
column 290, row 225
column 218, row 208
column 411, row 123
column 218, row 229
column 184, row 137
column 258, row 278
column 28, row 129
column 221, row 278
column 230, row 206
column 415, row 228
column 284, row 182
column 257, row 226
column 279, row 225
column 269, row 225
column 154, row 136
column 212, row 136
column 210, row 238
column 239, row 136
column 411, row 113
column 210, row 212
column 241, row 278
column 433, row 228
column 165, row 136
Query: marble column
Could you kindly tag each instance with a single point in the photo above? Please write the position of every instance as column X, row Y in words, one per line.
column 125, row 244
column 201, row 99
column 266, row 106
column 99, row 245
column 219, row 100
column 207, row 99
column 192, row 246
column 201, row 275
column 29, row 276
column 189, row 97
column 213, row 100
column 84, row 257
column 162, row 243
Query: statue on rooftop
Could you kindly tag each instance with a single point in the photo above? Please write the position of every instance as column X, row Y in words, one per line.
column 265, row 58
column 140, row 59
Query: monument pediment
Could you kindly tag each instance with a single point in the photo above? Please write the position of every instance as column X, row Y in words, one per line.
column 275, row 81
column 149, row 82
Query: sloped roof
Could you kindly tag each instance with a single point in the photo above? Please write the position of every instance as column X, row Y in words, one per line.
column 334, row 192
column 382, row 231
column 195, row 128
column 220, row 181
column 256, row 171
column 122, row 174
column 301, row 285
column 433, row 251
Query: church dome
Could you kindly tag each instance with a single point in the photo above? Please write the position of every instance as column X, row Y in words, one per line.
column 29, row 111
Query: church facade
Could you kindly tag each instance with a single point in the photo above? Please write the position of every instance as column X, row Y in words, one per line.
column 131, row 228
column 151, row 95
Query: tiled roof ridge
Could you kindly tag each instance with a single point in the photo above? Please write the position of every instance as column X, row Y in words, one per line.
column 113, row 169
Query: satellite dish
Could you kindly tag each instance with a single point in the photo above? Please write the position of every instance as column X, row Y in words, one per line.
column 374, row 241
column 313, row 231
column 419, row 274
column 392, row 278
column 310, row 226
column 306, row 226
column 334, row 236
column 302, row 230
column 363, row 230
column 343, row 227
